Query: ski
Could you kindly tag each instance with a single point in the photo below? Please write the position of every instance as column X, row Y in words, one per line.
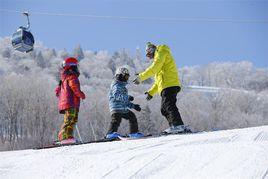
column 179, row 133
column 55, row 145
column 121, row 138
column 131, row 138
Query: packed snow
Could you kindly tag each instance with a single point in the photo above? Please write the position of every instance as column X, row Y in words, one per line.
column 239, row 153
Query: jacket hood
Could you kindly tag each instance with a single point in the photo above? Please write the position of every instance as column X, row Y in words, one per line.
column 163, row 47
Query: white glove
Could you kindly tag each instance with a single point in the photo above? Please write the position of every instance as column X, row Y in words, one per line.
column 137, row 80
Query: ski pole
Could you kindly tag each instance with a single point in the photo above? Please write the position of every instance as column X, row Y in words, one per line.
column 78, row 134
column 93, row 131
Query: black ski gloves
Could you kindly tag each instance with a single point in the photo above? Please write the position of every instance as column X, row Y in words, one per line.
column 137, row 107
column 148, row 97
column 130, row 98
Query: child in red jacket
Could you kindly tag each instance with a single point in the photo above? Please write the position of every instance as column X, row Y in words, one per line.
column 69, row 94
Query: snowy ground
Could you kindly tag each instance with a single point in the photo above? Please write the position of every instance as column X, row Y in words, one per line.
column 241, row 153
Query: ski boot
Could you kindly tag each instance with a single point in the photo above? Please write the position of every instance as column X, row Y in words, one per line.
column 68, row 141
column 136, row 135
column 187, row 129
column 114, row 135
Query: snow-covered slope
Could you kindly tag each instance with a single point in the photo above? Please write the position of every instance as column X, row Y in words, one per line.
column 241, row 153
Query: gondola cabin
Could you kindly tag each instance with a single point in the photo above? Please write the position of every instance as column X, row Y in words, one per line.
column 23, row 40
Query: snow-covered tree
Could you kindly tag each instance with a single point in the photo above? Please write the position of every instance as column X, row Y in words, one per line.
column 78, row 53
column 28, row 106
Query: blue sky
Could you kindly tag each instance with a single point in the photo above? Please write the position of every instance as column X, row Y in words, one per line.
column 192, row 42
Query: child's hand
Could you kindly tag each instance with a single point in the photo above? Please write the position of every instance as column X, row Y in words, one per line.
column 137, row 107
column 83, row 96
column 130, row 98
column 57, row 91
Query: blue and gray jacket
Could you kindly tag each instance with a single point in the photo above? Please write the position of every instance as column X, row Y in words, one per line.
column 119, row 98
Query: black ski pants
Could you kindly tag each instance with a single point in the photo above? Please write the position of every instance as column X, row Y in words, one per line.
column 168, row 105
column 117, row 118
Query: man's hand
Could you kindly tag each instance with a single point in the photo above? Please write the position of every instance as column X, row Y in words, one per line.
column 137, row 107
column 148, row 97
column 137, row 80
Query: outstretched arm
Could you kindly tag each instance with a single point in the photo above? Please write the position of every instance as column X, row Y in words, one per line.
column 153, row 90
column 155, row 66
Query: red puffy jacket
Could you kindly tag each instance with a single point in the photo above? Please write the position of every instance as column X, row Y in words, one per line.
column 68, row 92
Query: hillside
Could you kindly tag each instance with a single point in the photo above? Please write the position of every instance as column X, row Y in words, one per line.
column 28, row 105
column 239, row 153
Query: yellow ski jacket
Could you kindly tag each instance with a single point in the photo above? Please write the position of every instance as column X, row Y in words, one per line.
column 163, row 69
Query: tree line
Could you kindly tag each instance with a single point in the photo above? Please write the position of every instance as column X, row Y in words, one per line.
column 28, row 106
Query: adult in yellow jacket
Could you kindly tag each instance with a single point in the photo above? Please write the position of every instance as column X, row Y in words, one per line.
column 166, row 83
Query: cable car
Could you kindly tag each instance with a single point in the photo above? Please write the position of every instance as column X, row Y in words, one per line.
column 22, row 39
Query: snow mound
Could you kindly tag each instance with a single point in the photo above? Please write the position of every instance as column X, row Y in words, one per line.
column 239, row 153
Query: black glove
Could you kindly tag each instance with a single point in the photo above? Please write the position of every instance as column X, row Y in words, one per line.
column 130, row 98
column 148, row 97
column 137, row 107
